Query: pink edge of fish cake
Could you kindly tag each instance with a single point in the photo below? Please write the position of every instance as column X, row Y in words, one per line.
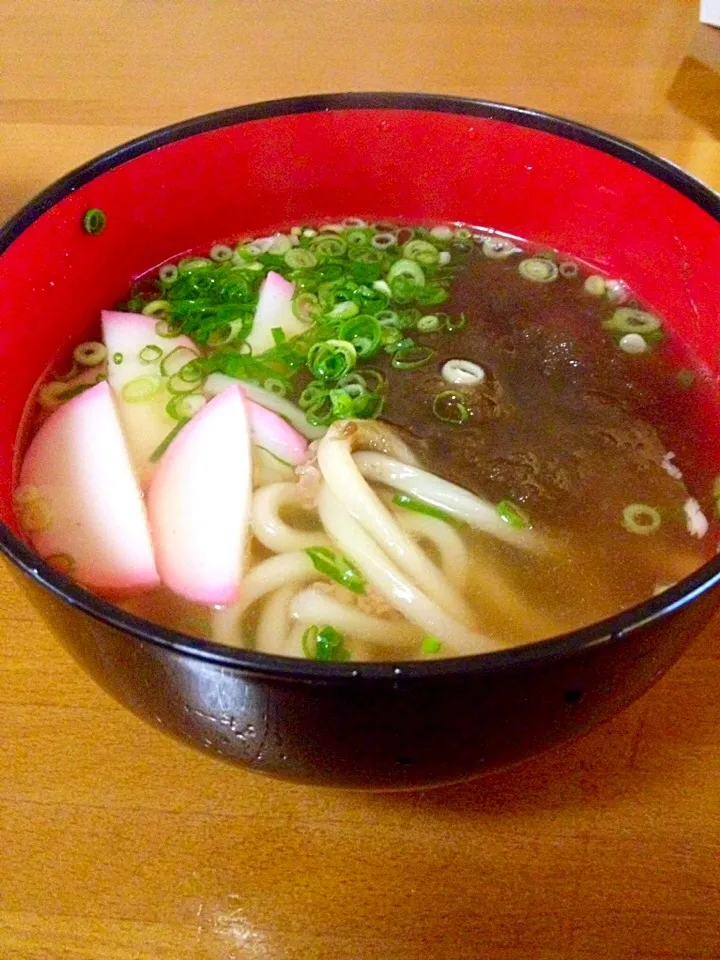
column 79, row 465
column 276, row 435
column 199, row 503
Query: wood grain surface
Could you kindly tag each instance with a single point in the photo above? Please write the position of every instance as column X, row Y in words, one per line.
column 118, row 844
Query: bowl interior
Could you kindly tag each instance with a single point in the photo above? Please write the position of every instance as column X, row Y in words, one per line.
column 414, row 165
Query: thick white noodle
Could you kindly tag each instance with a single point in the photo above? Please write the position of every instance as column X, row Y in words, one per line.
column 313, row 606
column 446, row 496
column 392, row 584
column 273, row 625
column 278, row 571
column 271, row 530
column 448, row 542
column 341, row 474
column 293, row 644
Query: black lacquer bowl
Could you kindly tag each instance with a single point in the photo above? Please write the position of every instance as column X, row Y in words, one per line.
column 416, row 158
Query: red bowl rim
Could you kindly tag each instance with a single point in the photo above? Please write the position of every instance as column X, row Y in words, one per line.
column 612, row 630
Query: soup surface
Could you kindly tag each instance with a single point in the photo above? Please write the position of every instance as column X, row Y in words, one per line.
column 502, row 444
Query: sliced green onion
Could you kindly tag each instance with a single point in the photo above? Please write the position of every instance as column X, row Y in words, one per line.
column 320, row 414
column 226, row 333
column 306, row 307
column 94, row 221
column 429, row 323
column 325, row 644
column 633, row 343
column 431, row 645
column 387, row 318
column 164, row 444
column 141, row 389
column 165, row 329
column 177, row 385
column 117, row 358
column 640, row 518
column 338, row 568
column 369, row 406
column 364, row 333
column 454, row 323
column 331, row 359
column 280, row 245
column 445, row 234
column 56, row 392
column 358, row 237
column 462, row 372
column 344, row 310
column 383, row 240
column 383, row 287
column 422, row 251
column 185, row 406
column 375, row 380
column 221, row 252
column 168, row 274
column 407, row 502
column 276, row 386
column 300, row 258
column 449, row 407
column 594, row 285
column 408, row 269
column 410, row 356
column 568, row 269
column 627, row 320
column 538, row 270
column 431, row 294
column 342, row 404
column 313, row 394
column 192, row 372
column 328, row 246
column 498, row 248
column 174, row 361
column 90, row 354
column 150, row 353
column 193, row 263
column 279, row 336
column 70, row 375
column 156, row 306
column 513, row 515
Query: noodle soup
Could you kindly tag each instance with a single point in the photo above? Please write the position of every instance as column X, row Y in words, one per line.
column 364, row 442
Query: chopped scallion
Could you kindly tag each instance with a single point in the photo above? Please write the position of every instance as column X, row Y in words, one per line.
column 431, row 645
column 90, row 354
column 162, row 447
column 450, row 407
column 642, row 519
column 325, row 644
column 141, row 389
column 513, row 515
column 407, row 502
column 150, row 353
column 94, row 221
column 338, row 568
column 331, row 359
column 410, row 356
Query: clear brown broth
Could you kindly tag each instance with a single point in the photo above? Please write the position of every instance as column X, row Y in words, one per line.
column 565, row 425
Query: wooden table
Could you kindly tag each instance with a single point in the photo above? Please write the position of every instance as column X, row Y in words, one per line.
column 118, row 844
